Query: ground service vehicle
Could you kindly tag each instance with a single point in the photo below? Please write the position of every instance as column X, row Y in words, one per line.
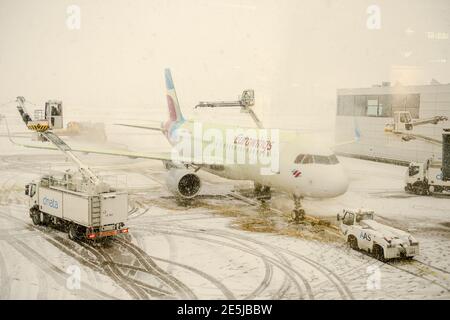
column 67, row 201
column 383, row 242
column 80, row 202
column 431, row 177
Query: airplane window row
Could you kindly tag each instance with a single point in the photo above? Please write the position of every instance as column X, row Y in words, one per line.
column 308, row 158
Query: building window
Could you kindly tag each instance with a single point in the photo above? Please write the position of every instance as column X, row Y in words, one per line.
column 374, row 109
column 384, row 105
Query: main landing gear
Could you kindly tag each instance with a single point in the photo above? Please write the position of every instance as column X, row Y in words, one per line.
column 262, row 193
column 298, row 214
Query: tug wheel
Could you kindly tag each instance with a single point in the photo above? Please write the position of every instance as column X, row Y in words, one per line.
column 378, row 253
column 353, row 242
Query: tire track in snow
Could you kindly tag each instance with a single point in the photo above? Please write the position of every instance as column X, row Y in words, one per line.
column 151, row 266
column 57, row 274
column 38, row 257
column 262, row 256
column 5, row 284
column 225, row 291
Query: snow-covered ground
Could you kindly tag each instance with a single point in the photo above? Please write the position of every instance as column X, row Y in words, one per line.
column 198, row 252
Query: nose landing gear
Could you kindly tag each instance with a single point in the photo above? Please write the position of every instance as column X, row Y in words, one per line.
column 298, row 214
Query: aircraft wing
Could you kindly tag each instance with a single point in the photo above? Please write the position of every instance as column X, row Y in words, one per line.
column 342, row 143
column 164, row 156
column 154, row 127
column 17, row 135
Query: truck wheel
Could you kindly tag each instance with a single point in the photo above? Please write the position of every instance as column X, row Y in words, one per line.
column 378, row 253
column 36, row 217
column 353, row 242
column 73, row 232
column 46, row 219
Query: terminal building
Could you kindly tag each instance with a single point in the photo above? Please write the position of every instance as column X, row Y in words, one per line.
column 370, row 109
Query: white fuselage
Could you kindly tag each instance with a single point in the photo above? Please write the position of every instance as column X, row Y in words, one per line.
column 304, row 168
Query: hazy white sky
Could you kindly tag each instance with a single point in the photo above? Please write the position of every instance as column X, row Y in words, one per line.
column 294, row 53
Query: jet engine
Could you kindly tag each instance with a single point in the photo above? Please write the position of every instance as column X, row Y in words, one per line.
column 183, row 183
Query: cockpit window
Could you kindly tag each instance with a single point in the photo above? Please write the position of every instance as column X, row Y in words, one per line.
column 333, row 159
column 321, row 160
column 299, row 158
column 308, row 158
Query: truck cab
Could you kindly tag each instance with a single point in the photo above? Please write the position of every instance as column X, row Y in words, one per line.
column 54, row 114
column 426, row 178
column 402, row 121
column 415, row 178
column 31, row 192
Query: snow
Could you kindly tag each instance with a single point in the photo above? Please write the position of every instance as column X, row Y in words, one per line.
column 198, row 252
column 372, row 182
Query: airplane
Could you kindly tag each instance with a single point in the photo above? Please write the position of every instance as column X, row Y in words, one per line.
column 305, row 168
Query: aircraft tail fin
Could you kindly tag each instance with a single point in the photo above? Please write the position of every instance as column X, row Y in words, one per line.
column 173, row 105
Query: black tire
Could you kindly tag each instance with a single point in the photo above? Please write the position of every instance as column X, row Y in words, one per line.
column 73, row 232
column 36, row 218
column 294, row 215
column 301, row 213
column 46, row 219
column 298, row 215
column 266, row 193
column 353, row 242
column 257, row 188
column 378, row 253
